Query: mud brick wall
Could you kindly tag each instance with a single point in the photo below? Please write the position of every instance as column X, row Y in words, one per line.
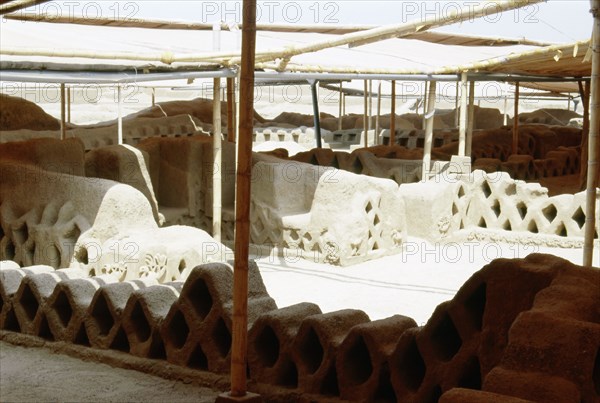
column 497, row 202
column 519, row 330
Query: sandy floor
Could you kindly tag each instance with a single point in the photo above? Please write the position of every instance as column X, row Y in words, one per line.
column 412, row 283
column 39, row 375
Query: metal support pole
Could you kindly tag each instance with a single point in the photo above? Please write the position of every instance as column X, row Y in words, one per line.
column 429, row 130
column 317, row 118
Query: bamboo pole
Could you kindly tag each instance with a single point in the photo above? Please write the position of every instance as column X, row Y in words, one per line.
column 515, row 134
column 231, row 109
column 217, row 161
column 456, row 103
column 365, row 117
column 63, row 125
column 429, row 130
column 370, row 104
column 377, row 128
column 239, row 345
column 395, row 30
column 543, row 55
column 505, row 109
column 362, row 37
column 217, row 145
column 462, row 126
column 425, row 104
column 225, row 58
column 16, row 5
column 470, row 119
column 236, row 115
column 341, row 116
column 119, row 117
column 593, row 141
column 584, row 93
column 308, row 28
column 69, row 90
column 393, row 116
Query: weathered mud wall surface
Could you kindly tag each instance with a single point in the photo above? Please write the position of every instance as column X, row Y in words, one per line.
column 524, row 329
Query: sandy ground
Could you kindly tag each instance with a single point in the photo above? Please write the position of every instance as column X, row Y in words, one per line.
column 38, row 375
column 412, row 283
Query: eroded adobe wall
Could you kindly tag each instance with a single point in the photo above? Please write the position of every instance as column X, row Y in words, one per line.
column 52, row 214
column 512, row 209
column 518, row 330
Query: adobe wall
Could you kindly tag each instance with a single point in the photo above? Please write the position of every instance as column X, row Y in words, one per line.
column 50, row 216
column 518, row 330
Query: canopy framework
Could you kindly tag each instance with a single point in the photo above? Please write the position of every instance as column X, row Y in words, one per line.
column 427, row 36
column 547, row 65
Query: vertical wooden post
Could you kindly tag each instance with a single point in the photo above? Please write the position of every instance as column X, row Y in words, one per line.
column 119, row 116
column 593, row 140
column 505, row 109
column 370, row 104
column 344, row 105
column 365, row 117
column 470, row 119
column 239, row 344
column 217, row 145
column 515, row 134
column 63, row 124
column 237, row 116
column 340, row 125
column 231, row 109
column 377, row 129
column 425, row 104
column 584, row 92
column 429, row 115
column 69, row 104
column 456, row 103
column 462, row 125
column 393, row 116
column 217, row 160
column 153, row 96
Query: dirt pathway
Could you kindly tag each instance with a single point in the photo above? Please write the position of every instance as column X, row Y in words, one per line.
column 39, row 375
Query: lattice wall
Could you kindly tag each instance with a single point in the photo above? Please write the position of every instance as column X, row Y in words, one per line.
column 498, row 202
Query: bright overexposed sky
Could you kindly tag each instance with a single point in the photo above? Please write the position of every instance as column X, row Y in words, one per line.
column 553, row 20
